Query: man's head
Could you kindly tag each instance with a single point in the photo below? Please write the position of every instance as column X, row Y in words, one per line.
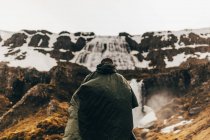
column 107, row 61
column 106, row 66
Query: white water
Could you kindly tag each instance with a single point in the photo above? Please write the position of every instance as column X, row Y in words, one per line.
column 141, row 120
column 102, row 47
column 137, row 114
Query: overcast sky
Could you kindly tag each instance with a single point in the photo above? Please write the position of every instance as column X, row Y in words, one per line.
column 104, row 17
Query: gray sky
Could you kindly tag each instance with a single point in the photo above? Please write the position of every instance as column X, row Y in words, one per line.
column 104, row 17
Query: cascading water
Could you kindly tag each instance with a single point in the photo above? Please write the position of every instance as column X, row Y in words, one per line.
column 101, row 47
column 137, row 114
column 140, row 119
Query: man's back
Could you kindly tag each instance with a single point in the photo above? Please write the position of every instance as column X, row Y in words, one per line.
column 105, row 111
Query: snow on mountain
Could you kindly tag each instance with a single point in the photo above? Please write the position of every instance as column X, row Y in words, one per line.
column 42, row 49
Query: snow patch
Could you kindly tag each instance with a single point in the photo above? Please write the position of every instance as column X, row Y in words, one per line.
column 33, row 59
column 53, row 39
column 137, row 38
column 180, row 58
column 177, row 60
column 169, row 129
column 142, row 64
column 62, row 50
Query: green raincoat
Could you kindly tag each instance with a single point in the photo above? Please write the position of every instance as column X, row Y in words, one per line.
column 102, row 107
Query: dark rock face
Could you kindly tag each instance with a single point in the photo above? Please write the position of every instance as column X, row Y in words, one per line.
column 61, row 55
column 19, row 81
column 66, row 74
column 15, row 82
column 178, row 81
column 0, row 39
column 18, row 87
column 35, row 41
column 84, row 34
column 132, row 44
column 32, row 91
column 124, row 34
column 151, row 41
column 16, row 40
column 81, row 42
column 194, row 39
column 139, row 56
column 63, row 42
column 175, row 82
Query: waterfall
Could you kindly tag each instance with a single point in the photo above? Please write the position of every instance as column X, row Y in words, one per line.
column 101, row 47
column 141, row 120
column 137, row 114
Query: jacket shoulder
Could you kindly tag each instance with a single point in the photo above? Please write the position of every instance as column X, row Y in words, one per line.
column 122, row 78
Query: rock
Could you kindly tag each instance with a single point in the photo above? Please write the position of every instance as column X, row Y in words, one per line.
column 14, row 82
column 132, row 44
column 84, row 34
column 81, row 42
column 67, row 78
column 193, row 39
column 63, row 42
column 17, row 40
column 68, row 55
column 194, row 110
column 124, row 34
column 36, row 39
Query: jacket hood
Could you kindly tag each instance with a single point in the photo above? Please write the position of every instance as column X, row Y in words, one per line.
column 106, row 68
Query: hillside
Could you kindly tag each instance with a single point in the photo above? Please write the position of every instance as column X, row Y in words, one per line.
column 40, row 70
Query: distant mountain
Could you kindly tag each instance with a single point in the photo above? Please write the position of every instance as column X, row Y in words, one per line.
column 42, row 49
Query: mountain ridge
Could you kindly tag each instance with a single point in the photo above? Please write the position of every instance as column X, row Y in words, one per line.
column 150, row 50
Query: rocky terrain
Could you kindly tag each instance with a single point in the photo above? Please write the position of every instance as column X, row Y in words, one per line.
column 40, row 70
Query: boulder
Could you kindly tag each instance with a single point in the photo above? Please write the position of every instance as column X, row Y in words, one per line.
column 195, row 110
column 36, row 39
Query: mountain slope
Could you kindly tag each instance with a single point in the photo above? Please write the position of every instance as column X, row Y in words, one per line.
column 42, row 49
